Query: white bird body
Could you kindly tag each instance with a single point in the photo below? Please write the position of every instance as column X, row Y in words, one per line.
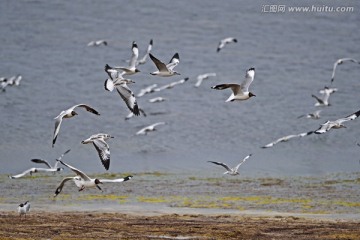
column 97, row 43
column 337, row 124
column 149, row 128
column 148, row 89
column 239, row 92
column 313, row 115
column 286, row 138
column 98, row 140
column 224, row 42
column 324, row 101
column 131, row 69
column 24, row 208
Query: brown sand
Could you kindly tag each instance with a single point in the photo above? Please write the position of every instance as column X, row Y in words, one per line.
column 96, row 225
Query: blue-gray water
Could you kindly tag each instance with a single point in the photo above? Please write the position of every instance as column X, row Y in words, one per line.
column 293, row 54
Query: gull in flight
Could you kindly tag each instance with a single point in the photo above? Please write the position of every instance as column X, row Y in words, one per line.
column 225, row 41
column 148, row 89
column 131, row 114
column 231, row 171
column 324, row 101
column 149, row 128
column 171, row 85
column 124, row 91
column 50, row 168
column 69, row 113
column 314, row 115
column 339, row 62
column 97, row 43
column 83, row 181
column 23, row 208
column 131, row 69
column 143, row 59
column 337, row 123
column 165, row 70
column 156, row 99
column 286, row 138
column 239, row 92
column 202, row 77
column 98, row 140
column 12, row 81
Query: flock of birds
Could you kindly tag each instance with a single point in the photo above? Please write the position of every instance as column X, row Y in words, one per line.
column 118, row 79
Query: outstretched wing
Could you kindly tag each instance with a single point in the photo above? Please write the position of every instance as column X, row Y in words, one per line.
column 60, row 187
column 134, row 56
column 104, row 152
column 221, row 164
column 87, row 108
column 159, row 64
column 31, row 170
column 41, row 161
column 246, row 158
column 76, row 171
column 129, row 98
column 116, row 180
column 249, row 77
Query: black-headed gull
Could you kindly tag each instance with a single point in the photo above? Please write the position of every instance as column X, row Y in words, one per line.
column 339, row 62
column 125, row 92
column 202, row 77
column 149, row 128
column 143, row 59
column 24, row 208
column 98, row 140
column 231, row 171
column 146, row 90
column 239, row 91
column 97, row 43
column 337, row 123
column 324, row 100
column 50, row 168
column 313, row 115
column 69, row 113
column 131, row 69
column 83, row 181
column 165, row 70
column 286, row 138
column 225, row 41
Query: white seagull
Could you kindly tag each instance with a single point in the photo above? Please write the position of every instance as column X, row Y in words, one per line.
column 171, row 85
column 202, row 77
column 143, row 59
column 98, row 140
column 149, row 128
column 69, row 113
column 83, row 181
column 148, row 89
column 286, row 138
column 337, row 123
column 125, row 92
column 23, row 208
column 240, row 92
column 339, row 62
column 132, row 65
column 156, row 99
column 165, row 70
column 313, row 115
column 225, row 41
column 97, row 43
column 231, row 171
column 324, row 101
column 50, row 168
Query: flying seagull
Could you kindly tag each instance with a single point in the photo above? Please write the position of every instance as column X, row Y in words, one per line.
column 286, row 138
column 313, row 115
column 23, row 208
column 97, row 43
column 165, row 70
column 132, row 65
column 324, row 100
column 83, row 181
column 149, row 128
column 146, row 90
column 171, row 85
column 339, row 62
column 68, row 113
column 125, row 92
column 337, row 123
column 156, row 99
column 202, row 77
column 98, row 140
column 225, row 41
column 239, row 92
column 231, row 171
column 50, row 168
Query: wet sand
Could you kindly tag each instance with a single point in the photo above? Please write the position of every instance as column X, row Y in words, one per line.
column 97, row 225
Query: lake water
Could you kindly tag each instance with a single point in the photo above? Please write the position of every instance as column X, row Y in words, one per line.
column 293, row 53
